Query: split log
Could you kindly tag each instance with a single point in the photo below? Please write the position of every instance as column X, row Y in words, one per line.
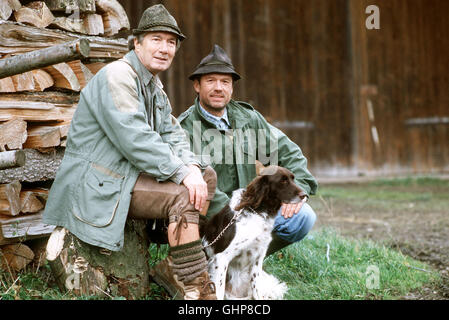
column 23, row 81
column 62, row 99
column 12, row 159
column 7, row 85
column 69, row 6
column 10, row 198
column 38, row 167
column 16, row 38
column 87, row 270
column 40, row 193
column 35, row 111
column 23, row 227
column 95, row 67
column 35, row 13
column 13, row 134
column 38, row 246
column 29, row 202
column 69, row 24
column 42, row 80
column 63, row 76
column 42, row 137
column 82, row 73
column 114, row 16
column 7, row 7
column 16, row 256
column 44, row 57
column 93, row 24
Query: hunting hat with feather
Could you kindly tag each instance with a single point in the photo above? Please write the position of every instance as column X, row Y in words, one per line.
column 217, row 61
column 157, row 18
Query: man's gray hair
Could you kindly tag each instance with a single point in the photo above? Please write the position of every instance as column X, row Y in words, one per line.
column 140, row 38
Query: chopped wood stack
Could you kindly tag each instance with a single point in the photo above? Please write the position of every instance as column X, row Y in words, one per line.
column 57, row 46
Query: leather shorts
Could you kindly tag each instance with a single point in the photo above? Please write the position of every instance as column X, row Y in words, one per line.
column 167, row 200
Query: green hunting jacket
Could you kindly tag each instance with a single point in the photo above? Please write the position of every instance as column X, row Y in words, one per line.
column 122, row 126
column 232, row 153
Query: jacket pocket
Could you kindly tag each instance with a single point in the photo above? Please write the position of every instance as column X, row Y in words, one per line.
column 98, row 196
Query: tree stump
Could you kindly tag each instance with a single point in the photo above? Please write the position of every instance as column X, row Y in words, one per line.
column 89, row 270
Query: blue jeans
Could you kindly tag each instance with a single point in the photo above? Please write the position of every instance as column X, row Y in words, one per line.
column 297, row 227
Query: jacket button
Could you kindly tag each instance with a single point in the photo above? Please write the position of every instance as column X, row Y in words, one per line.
column 100, row 184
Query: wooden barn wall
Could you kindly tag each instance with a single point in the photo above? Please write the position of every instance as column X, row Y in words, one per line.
column 315, row 71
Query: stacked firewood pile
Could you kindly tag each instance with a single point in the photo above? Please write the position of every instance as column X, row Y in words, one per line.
column 49, row 50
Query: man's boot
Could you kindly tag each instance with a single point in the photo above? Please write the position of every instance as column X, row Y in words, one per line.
column 184, row 273
column 276, row 244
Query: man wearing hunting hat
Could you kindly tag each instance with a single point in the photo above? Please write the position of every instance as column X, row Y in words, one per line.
column 240, row 135
column 127, row 156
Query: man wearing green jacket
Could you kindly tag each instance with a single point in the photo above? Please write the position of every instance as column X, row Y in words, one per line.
column 127, row 155
column 232, row 134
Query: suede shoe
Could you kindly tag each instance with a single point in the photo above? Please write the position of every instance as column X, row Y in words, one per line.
column 201, row 288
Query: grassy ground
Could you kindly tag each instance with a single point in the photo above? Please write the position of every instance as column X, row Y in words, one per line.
column 327, row 266
column 323, row 266
column 361, row 247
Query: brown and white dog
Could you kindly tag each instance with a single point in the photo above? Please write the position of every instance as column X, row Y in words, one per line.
column 236, row 259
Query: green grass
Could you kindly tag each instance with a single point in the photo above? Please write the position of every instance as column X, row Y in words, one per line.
column 346, row 270
column 308, row 268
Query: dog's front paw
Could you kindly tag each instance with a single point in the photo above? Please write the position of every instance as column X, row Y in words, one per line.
column 269, row 287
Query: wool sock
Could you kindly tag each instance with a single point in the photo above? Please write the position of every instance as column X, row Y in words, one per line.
column 189, row 260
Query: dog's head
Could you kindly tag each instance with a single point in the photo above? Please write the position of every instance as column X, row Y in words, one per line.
column 273, row 186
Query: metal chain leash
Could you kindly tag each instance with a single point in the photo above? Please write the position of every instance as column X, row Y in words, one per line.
column 234, row 218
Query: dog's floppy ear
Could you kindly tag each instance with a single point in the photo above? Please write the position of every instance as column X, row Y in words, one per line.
column 259, row 167
column 255, row 193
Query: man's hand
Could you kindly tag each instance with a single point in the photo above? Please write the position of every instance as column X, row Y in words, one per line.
column 197, row 187
column 288, row 209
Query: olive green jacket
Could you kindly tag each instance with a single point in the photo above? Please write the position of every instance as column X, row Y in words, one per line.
column 232, row 153
column 122, row 126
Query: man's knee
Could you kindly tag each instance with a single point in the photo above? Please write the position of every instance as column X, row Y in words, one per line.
column 297, row 227
column 210, row 176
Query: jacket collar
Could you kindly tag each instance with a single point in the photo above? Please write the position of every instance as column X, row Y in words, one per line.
column 144, row 73
column 235, row 118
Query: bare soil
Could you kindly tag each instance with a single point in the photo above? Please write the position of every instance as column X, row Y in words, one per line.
column 410, row 215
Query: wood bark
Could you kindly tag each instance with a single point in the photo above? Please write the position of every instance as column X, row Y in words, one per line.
column 86, row 269
column 35, row 13
column 44, row 57
column 38, row 167
column 12, row 159
column 71, row 6
column 10, row 198
column 16, row 256
column 13, row 134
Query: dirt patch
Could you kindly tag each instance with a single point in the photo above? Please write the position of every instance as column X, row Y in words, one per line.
column 410, row 215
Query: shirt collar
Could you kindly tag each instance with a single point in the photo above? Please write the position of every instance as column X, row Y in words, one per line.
column 215, row 119
column 145, row 74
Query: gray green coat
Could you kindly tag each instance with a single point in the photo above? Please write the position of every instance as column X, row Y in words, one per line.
column 116, row 133
column 251, row 138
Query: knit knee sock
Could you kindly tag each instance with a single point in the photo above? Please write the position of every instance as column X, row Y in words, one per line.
column 189, row 260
